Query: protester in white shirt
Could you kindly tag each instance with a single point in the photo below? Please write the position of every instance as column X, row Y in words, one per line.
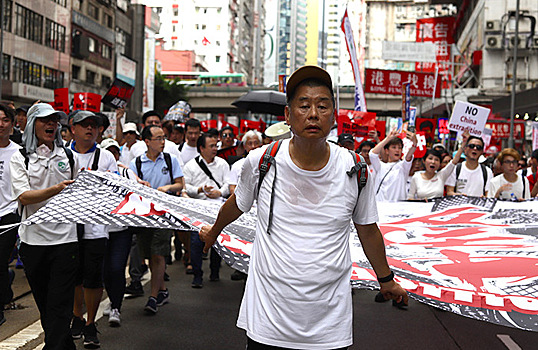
column 192, row 133
column 251, row 140
column 473, row 178
column 391, row 177
column 430, row 183
column 49, row 251
column 509, row 184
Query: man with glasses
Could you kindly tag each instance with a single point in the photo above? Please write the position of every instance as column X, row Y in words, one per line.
column 164, row 173
column 470, row 178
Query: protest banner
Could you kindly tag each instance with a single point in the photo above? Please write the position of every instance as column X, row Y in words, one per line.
column 208, row 124
column 355, row 123
column 61, row 100
column 427, row 126
column 468, row 117
column 119, row 94
column 87, row 101
column 360, row 102
column 381, row 127
column 246, row 125
column 472, row 256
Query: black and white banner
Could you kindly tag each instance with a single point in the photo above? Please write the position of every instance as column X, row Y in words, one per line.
column 471, row 256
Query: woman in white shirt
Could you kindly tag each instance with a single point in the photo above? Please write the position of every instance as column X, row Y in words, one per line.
column 509, row 185
column 430, row 183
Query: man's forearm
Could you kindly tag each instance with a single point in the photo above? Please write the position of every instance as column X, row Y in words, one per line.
column 228, row 213
column 37, row 196
column 374, row 248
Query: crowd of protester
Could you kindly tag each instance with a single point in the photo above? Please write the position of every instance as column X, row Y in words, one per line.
column 69, row 266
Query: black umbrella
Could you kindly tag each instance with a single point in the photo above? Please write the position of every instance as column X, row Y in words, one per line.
column 262, row 101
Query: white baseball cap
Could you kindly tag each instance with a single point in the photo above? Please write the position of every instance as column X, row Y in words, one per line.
column 130, row 127
column 42, row 110
column 106, row 143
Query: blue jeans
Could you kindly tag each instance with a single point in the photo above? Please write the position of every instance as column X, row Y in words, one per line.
column 197, row 247
column 119, row 245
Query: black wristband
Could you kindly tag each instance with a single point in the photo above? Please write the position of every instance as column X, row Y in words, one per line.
column 386, row 278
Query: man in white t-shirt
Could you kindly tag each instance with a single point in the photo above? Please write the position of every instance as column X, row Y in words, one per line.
column 251, row 140
column 470, row 178
column 391, row 177
column 8, row 205
column 92, row 238
column 298, row 292
column 193, row 128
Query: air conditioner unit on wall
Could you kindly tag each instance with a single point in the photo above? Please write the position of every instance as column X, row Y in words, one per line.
column 535, row 42
column 493, row 26
column 524, row 85
column 493, row 42
column 521, row 42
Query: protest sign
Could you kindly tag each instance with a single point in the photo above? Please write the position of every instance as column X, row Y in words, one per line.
column 61, row 100
column 468, row 117
column 534, row 135
column 246, row 125
column 356, row 123
column 119, row 94
column 87, row 101
column 486, row 136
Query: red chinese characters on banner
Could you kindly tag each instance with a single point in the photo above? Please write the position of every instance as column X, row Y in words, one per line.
column 61, row 100
column 355, row 123
column 438, row 30
column 87, row 101
column 246, row 125
column 502, row 130
column 390, row 82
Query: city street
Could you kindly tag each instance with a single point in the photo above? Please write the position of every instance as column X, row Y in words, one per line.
column 205, row 319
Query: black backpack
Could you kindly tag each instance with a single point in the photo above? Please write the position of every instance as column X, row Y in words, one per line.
column 67, row 151
column 167, row 160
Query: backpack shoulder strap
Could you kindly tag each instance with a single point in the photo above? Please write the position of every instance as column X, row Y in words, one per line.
column 25, row 155
column 458, row 170
column 168, row 161
column 180, row 147
column 266, row 160
column 360, row 168
column 71, row 159
column 523, row 193
column 138, row 163
column 97, row 154
column 484, row 176
column 206, row 170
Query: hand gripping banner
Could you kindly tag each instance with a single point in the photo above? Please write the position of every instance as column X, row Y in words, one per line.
column 472, row 256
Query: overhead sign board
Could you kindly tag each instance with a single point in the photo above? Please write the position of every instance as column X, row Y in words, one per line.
column 408, row 51
column 390, row 82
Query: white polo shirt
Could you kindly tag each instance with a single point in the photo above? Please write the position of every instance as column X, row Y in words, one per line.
column 8, row 204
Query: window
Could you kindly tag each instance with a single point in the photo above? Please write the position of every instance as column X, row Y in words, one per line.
column 203, row 26
column 54, row 79
column 197, row 26
column 90, row 77
column 75, row 72
column 106, row 81
column 54, row 35
column 173, row 29
column 218, row 26
column 26, row 72
column 8, row 4
column 61, row 2
column 218, row 43
column 205, row 10
column 93, row 11
column 106, row 51
column 176, row 11
column 219, row 9
column 92, row 45
column 28, row 24
column 108, row 20
column 6, row 65
column 217, row 59
column 195, row 42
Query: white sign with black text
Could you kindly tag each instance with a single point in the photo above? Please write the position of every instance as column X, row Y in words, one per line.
column 468, row 117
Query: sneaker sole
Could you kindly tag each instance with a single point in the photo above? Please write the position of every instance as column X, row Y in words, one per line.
column 91, row 345
column 165, row 301
column 150, row 311
column 114, row 323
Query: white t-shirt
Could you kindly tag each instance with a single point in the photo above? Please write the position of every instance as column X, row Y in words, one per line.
column 195, row 177
column 126, row 153
column 235, row 172
column 470, row 182
column 188, row 153
column 42, row 172
column 433, row 188
column 517, row 187
column 393, row 186
column 8, row 204
column 298, row 293
column 107, row 162
column 141, row 148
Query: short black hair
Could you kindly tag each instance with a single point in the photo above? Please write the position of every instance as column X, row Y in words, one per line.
column 311, row 82
column 227, row 128
column 8, row 111
column 472, row 137
column 213, row 132
column 147, row 133
column 366, row 143
column 434, row 153
column 105, row 123
column 535, row 154
column 168, row 125
column 150, row 114
column 179, row 128
column 426, row 124
column 202, row 141
column 193, row 123
column 394, row 141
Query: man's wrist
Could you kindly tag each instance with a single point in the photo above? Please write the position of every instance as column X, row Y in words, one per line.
column 386, row 279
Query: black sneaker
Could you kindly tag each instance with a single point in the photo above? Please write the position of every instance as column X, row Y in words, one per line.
column 163, row 297
column 214, row 277
column 2, row 317
column 77, row 327
column 166, row 277
column 238, row 276
column 134, row 289
column 90, row 337
column 197, row 283
column 151, row 306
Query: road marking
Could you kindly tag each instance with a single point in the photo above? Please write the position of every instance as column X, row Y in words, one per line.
column 508, row 342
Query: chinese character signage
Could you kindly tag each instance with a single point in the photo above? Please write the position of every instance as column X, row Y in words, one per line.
column 119, row 94
column 439, row 31
column 390, row 82
column 356, row 123
column 502, row 130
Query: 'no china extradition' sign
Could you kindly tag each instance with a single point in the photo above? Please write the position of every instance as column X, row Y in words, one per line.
column 468, row 117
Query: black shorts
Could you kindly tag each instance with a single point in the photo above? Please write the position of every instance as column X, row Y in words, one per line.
column 153, row 241
column 91, row 259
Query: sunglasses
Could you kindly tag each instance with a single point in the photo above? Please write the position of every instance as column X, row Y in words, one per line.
column 227, row 135
column 476, row 147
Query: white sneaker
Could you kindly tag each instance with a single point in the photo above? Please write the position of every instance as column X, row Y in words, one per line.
column 106, row 311
column 114, row 318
